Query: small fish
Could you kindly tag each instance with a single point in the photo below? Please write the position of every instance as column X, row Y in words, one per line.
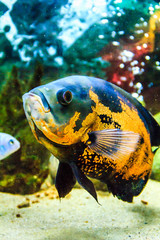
column 95, row 129
column 8, row 145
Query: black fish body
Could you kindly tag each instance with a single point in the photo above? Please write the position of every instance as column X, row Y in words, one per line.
column 95, row 129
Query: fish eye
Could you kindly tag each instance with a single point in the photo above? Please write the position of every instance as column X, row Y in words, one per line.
column 64, row 97
column 11, row 142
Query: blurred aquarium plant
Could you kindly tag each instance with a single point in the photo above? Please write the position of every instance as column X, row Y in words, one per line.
column 117, row 40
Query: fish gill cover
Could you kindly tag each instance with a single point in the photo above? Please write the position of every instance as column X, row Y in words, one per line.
column 117, row 40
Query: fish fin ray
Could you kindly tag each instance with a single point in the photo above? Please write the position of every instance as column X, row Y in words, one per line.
column 65, row 179
column 113, row 143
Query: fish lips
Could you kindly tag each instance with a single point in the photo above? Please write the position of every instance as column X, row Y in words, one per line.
column 31, row 97
column 36, row 109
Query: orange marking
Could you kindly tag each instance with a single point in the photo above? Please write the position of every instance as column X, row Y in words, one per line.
column 129, row 121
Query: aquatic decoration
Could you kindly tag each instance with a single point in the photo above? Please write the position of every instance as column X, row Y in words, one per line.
column 95, row 129
column 52, row 29
column 8, row 145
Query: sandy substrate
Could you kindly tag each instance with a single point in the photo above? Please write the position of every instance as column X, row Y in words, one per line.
column 43, row 217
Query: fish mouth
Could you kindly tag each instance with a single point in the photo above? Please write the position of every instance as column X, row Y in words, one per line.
column 39, row 116
column 40, row 98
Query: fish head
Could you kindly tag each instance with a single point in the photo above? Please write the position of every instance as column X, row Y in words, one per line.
column 8, row 145
column 60, row 111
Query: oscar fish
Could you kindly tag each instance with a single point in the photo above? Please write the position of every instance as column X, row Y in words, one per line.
column 8, row 145
column 96, row 130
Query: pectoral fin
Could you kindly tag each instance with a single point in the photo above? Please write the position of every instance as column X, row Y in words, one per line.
column 113, row 143
column 65, row 179
column 84, row 181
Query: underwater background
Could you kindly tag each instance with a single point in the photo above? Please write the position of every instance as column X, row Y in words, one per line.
column 41, row 41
